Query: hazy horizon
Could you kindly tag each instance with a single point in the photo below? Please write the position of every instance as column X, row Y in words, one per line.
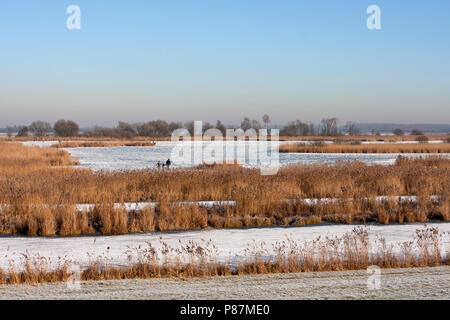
column 145, row 60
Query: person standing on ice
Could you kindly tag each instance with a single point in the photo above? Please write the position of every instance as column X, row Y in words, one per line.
column 168, row 163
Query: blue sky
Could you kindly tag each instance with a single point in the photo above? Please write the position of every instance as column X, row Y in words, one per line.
column 224, row 59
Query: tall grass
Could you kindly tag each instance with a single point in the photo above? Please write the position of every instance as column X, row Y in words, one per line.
column 107, row 219
column 38, row 198
column 15, row 158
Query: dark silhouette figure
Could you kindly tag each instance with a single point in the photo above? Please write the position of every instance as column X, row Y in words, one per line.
column 159, row 164
column 168, row 163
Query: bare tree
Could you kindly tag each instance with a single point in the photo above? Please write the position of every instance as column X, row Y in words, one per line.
column 189, row 125
column 329, row 127
column 40, row 128
column 174, row 126
column 125, row 129
column 398, row 132
column 246, row 124
column 255, row 125
column 9, row 131
column 266, row 120
column 207, row 126
column 221, row 127
column 352, row 129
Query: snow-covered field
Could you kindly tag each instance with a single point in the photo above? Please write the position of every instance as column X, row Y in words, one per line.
column 230, row 243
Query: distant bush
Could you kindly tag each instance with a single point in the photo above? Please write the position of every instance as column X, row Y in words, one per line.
column 40, row 128
column 318, row 143
column 298, row 128
column 398, row 132
column 422, row 139
column 416, row 132
column 351, row 142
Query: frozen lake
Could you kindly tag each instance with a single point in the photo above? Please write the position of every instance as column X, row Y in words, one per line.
column 123, row 158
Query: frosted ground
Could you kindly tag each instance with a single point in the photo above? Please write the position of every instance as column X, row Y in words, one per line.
column 415, row 283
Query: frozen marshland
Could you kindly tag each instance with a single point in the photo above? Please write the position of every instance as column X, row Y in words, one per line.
column 129, row 158
column 123, row 158
column 230, row 244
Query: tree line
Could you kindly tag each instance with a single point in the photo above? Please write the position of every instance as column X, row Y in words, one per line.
column 39, row 128
column 162, row 128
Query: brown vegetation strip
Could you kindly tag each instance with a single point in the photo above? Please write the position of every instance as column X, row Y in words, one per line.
column 363, row 138
column 367, row 148
column 97, row 144
column 40, row 200
column 352, row 251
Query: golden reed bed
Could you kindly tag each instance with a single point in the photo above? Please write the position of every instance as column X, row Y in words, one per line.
column 435, row 148
column 39, row 197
